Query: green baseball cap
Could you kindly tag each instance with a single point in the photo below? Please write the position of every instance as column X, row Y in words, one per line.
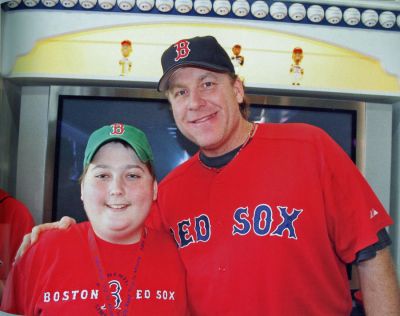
column 131, row 135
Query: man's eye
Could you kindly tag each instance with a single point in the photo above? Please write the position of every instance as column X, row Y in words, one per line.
column 208, row 84
column 179, row 93
column 133, row 176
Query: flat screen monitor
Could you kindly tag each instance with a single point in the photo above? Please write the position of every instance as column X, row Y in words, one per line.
column 79, row 115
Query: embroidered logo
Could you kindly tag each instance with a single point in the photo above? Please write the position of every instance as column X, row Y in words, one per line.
column 372, row 213
column 117, row 129
column 182, row 49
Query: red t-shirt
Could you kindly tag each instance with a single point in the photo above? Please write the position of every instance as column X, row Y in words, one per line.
column 15, row 222
column 270, row 233
column 59, row 276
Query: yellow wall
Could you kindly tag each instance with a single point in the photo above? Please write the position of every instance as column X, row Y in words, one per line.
column 95, row 54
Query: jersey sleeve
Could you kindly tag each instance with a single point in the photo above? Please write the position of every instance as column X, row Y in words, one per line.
column 15, row 298
column 22, row 224
column 354, row 214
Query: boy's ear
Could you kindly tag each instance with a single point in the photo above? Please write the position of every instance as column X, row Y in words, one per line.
column 155, row 190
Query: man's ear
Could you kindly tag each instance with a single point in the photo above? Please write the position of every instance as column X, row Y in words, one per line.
column 239, row 90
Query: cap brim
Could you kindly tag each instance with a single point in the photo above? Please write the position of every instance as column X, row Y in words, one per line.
column 163, row 83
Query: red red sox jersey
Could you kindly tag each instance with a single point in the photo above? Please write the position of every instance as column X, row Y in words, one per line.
column 270, row 233
column 59, row 276
column 15, row 222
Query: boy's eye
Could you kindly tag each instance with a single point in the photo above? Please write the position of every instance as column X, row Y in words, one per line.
column 101, row 176
column 133, row 176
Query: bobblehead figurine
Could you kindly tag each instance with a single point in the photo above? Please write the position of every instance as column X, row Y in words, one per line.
column 296, row 70
column 237, row 59
column 125, row 63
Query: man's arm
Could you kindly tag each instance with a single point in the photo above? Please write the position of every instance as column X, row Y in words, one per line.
column 32, row 237
column 379, row 285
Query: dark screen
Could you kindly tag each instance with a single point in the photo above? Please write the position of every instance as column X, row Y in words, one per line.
column 78, row 117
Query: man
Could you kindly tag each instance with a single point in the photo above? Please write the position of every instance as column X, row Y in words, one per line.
column 266, row 216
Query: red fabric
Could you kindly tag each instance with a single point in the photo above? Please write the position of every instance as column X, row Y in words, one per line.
column 57, row 276
column 242, row 257
column 15, row 222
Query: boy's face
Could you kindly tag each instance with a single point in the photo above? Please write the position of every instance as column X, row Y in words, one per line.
column 117, row 192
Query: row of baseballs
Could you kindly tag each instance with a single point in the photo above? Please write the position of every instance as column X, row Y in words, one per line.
column 241, row 8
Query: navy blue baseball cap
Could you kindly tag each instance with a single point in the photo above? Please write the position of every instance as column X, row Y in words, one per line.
column 200, row 51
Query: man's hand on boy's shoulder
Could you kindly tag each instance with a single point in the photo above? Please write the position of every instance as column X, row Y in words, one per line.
column 33, row 236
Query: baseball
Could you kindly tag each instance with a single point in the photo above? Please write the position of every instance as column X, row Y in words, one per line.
column 222, row 7
column 333, row 15
column 315, row 13
column 126, row 5
column 297, row 12
column 164, row 5
column 241, row 8
column 387, row 19
column 202, row 6
column 259, row 9
column 369, row 18
column 183, row 6
column 145, row 5
column 351, row 16
column 278, row 10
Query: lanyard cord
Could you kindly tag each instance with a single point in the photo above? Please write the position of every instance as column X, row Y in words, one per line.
column 95, row 254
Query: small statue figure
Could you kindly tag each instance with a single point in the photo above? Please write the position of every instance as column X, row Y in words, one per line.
column 125, row 63
column 296, row 70
column 237, row 59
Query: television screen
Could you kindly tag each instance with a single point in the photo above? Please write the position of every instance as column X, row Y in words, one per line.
column 78, row 116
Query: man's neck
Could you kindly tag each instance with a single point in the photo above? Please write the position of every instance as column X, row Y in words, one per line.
column 216, row 162
column 238, row 137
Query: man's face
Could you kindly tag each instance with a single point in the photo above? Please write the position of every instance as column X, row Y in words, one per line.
column 117, row 192
column 205, row 105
